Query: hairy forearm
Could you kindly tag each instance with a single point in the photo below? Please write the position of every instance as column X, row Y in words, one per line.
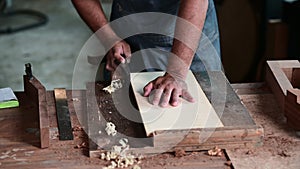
column 187, row 36
column 92, row 13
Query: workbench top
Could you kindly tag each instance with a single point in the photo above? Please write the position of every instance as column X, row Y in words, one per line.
column 19, row 141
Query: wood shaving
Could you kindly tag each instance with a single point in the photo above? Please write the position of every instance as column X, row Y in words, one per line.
column 249, row 152
column 215, row 152
column 4, row 156
column 75, row 99
column 110, row 129
column 119, row 157
column 77, row 128
column 28, row 153
column 17, row 149
column 82, row 145
column 136, row 167
column 6, row 153
column 115, row 85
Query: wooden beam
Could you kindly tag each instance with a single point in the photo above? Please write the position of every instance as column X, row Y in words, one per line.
column 292, row 108
column 296, row 78
column 36, row 92
column 63, row 115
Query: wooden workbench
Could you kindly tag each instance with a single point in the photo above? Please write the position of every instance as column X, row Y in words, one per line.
column 19, row 141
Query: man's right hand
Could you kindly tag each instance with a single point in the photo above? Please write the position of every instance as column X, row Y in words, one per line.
column 119, row 53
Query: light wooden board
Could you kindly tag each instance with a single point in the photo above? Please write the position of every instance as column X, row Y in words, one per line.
column 199, row 114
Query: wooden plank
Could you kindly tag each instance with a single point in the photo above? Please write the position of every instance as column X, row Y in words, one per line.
column 63, row 115
column 278, row 75
column 296, row 78
column 292, row 108
column 199, row 114
column 36, row 93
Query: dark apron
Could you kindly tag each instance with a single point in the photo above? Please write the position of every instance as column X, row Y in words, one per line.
column 150, row 49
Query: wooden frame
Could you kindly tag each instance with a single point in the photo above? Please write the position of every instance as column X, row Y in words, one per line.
column 283, row 78
column 279, row 77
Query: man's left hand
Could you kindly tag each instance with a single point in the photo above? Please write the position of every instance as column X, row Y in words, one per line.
column 166, row 89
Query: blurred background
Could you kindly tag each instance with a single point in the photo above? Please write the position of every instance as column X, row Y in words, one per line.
column 49, row 34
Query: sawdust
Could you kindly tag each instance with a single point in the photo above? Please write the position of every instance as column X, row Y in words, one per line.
column 280, row 142
column 82, row 145
column 215, row 152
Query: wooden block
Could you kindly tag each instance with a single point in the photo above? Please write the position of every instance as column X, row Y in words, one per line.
column 278, row 76
column 296, row 78
column 292, row 108
column 199, row 114
column 63, row 115
column 36, row 92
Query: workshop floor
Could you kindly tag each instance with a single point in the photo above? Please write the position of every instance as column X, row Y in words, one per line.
column 52, row 49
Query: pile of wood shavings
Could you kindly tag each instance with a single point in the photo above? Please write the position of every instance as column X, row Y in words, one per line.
column 119, row 158
column 110, row 129
column 215, row 152
column 115, row 85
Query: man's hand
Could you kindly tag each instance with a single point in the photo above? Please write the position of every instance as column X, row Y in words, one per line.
column 117, row 54
column 166, row 89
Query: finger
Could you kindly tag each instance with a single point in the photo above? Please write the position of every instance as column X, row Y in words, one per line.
column 110, row 65
column 187, row 96
column 165, row 98
column 118, row 57
column 155, row 96
column 127, row 52
column 147, row 89
column 175, row 97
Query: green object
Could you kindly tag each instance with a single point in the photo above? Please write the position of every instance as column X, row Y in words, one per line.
column 8, row 98
column 9, row 104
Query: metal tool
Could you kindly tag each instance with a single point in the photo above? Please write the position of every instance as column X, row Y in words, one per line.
column 28, row 70
column 122, row 72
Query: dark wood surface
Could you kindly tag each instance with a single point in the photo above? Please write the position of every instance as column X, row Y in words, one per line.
column 63, row 115
column 292, row 108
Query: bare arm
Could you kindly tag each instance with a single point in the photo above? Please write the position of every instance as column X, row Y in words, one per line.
column 167, row 88
column 194, row 12
column 92, row 13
